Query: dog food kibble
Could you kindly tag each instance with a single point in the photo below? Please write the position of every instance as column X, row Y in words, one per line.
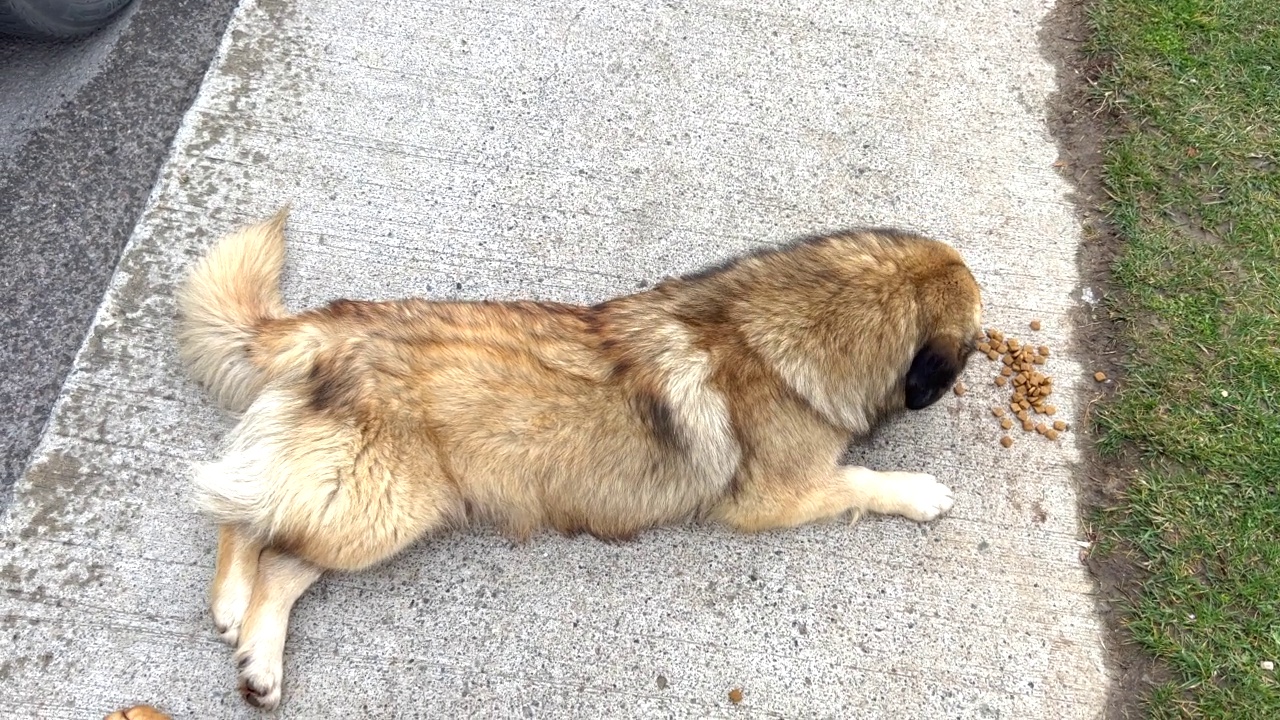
column 1020, row 370
column 735, row 696
column 960, row 388
column 1100, row 376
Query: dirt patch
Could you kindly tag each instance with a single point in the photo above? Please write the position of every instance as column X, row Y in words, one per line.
column 1079, row 124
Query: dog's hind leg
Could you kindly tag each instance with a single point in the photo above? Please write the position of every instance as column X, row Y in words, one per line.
column 233, row 581
column 281, row 580
column 765, row 504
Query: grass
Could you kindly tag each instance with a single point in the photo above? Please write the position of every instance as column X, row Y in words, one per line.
column 1192, row 165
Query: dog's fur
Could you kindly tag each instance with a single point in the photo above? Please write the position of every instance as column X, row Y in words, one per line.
column 727, row 395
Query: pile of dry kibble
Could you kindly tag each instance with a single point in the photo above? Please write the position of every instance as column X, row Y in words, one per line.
column 1029, row 387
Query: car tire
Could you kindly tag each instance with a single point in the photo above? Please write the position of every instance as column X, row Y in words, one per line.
column 56, row 19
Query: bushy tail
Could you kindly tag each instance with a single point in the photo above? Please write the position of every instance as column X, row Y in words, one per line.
column 225, row 300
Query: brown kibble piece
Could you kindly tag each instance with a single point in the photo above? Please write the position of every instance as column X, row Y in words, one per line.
column 992, row 355
column 1002, row 348
column 1041, row 428
column 1001, row 380
column 1025, row 405
column 1006, row 423
column 1006, row 441
column 1015, row 406
column 1038, row 360
column 997, row 411
column 1051, row 434
column 1023, row 416
column 1014, row 344
column 960, row 388
column 1006, row 371
column 1008, row 360
column 984, row 347
column 1099, row 376
column 1035, row 324
column 1050, row 409
column 1026, row 425
column 1044, row 350
column 735, row 696
column 1059, row 425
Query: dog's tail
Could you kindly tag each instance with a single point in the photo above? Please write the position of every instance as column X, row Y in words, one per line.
column 225, row 301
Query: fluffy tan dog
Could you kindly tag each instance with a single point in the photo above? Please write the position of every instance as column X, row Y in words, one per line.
column 728, row 395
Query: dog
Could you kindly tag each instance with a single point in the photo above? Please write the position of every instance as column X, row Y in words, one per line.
column 726, row 396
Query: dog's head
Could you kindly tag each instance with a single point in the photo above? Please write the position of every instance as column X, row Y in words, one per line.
column 934, row 370
column 951, row 306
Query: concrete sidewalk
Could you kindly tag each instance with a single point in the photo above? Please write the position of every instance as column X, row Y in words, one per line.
column 573, row 151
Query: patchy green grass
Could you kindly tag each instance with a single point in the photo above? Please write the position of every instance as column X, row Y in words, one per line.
column 1193, row 169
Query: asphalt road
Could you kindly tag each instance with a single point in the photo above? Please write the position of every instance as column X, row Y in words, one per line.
column 84, row 128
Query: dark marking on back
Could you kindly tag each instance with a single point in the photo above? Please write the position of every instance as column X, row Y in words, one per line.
column 658, row 417
column 353, row 309
column 332, row 387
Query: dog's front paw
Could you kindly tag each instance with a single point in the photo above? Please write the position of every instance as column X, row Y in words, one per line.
column 921, row 497
column 260, row 680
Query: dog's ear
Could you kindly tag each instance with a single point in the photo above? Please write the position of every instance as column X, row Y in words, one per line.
column 933, row 370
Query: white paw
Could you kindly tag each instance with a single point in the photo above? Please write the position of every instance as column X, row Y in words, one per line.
column 921, row 497
column 229, row 609
column 260, row 678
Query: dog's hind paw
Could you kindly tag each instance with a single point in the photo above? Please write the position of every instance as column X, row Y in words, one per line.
column 228, row 615
column 259, row 682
